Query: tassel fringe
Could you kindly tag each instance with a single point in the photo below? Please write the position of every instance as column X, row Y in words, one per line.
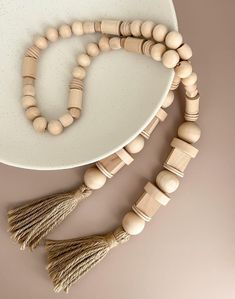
column 32, row 222
column 69, row 260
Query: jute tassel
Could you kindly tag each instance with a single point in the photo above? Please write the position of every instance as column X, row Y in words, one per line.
column 70, row 259
column 32, row 222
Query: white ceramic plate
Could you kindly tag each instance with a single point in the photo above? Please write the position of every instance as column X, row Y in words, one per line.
column 123, row 91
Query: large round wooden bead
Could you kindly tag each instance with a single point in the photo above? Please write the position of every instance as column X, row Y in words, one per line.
column 168, row 100
column 189, row 132
column 170, row 59
column 41, row 42
column 185, row 52
column 52, row 34
column 77, row 28
column 65, row 31
column 184, row 69
column 29, row 90
column 167, row 181
column 136, row 145
column 159, row 32
column 92, row 49
column 133, row 224
column 135, row 28
column 104, row 43
column 55, row 127
column 28, row 101
column 173, row 40
column 157, row 51
column 94, row 178
column 84, row 60
column 190, row 80
column 147, row 29
column 40, row 124
column 32, row 113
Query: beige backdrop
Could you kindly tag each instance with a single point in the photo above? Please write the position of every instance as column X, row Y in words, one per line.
column 188, row 250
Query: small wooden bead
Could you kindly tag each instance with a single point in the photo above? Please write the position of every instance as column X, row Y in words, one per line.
column 33, row 52
column 79, row 72
column 173, row 40
column 157, row 51
column 94, row 178
column 55, row 127
column 168, row 100
column 32, row 113
column 191, row 88
column 28, row 101
column 40, row 124
column 104, row 43
column 133, row 44
column 147, row 29
column 159, row 33
column 170, row 59
column 175, row 83
column 185, row 52
column 136, row 145
column 84, row 60
column 159, row 117
column 89, row 27
column 167, row 181
column 147, row 46
column 133, row 224
column 92, row 49
column 66, row 120
column 41, row 42
column 75, row 112
column 125, row 29
column 97, row 26
column 189, row 132
column 184, row 69
column 115, row 43
column 76, row 84
column 65, row 31
column 192, row 108
column 135, row 27
column 110, row 27
column 29, row 90
column 52, row 34
column 29, row 67
column 190, row 80
column 75, row 98
column 77, row 28
column 28, row 81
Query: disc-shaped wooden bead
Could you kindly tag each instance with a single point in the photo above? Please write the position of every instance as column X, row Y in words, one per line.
column 65, row 31
column 160, row 32
column 173, row 40
column 185, row 52
column 41, row 42
column 77, row 28
column 135, row 28
column 55, row 127
column 28, row 101
column 133, row 224
column 94, row 178
column 52, row 34
column 168, row 100
column 147, row 29
column 157, row 51
column 104, row 43
column 66, row 120
column 167, row 181
column 79, row 72
column 92, row 49
column 84, row 60
column 170, row 59
column 40, row 124
column 136, row 145
column 32, row 113
column 184, row 69
column 189, row 132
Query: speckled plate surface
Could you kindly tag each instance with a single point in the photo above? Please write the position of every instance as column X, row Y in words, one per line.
column 122, row 90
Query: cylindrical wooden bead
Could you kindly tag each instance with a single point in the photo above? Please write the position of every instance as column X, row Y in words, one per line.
column 147, row 46
column 157, row 51
column 110, row 27
column 190, row 80
column 160, row 32
column 112, row 164
column 184, row 69
column 89, row 27
column 75, row 99
column 77, row 28
column 28, row 81
column 55, row 127
column 33, row 52
column 167, row 181
column 173, row 40
column 97, row 26
column 32, row 112
column 79, row 73
column 125, row 29
column 28, row 101
column 84, row 60
column 185, row 52
column 76, row 84
column 189, row 132
column 136, row 145
column 133, row 44
column 41, row 42
column 75, row 112
column 94, row 178
column 160, row 116
column 135, row 28
column 104, row 43
column 170, row 59
column 92, row 49
column 192, row 108
column 66, row 120
column 168, row 100
column 115, row 43
column 147, row 29
column 29, row 67
column 175, row 83
column 65, row 31
column 52, row 34
column 29, row 90
column 40, row 124
column 133, row 224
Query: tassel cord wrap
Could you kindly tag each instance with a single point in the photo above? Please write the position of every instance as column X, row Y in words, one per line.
column 30, row 223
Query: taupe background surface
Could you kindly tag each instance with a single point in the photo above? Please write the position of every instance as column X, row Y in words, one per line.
column 188, row 250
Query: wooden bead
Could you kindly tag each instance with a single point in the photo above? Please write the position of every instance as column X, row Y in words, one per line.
column 84, row 60
column 32, row 112
column 65, row 31
column 157, row 51
column 159, row 117
column 115, row 43
column 189, row 132
column 184, row 69
column 33, row 52
column 76, row 84
column 29, row 67
column 173, row 39
column 192, row 108
column 28, row 101
column 77, row 28
column 110, row 27
column 40, row 124
column 159, row 32
column 92, row 49
column 75, row 112
column 104, row 43
column 136, row 145
column 190, row 80
column 79, row 72
column 66, row 120
column 125, row 29
column 52, row 34
column 185, row 52
column 167, row 181
column 135, row 27
column 147, row 29
column 168, row 100
column 29, row 90
column 94, row 178
column 55, row 127
column 97, row 26
column 170, row 59
column 147, row 47
column 89, row 27
column 41, row 42
column 75, row 98
column 133, row 44
column 133, row 224
column 28, row 81
column 175, row 83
